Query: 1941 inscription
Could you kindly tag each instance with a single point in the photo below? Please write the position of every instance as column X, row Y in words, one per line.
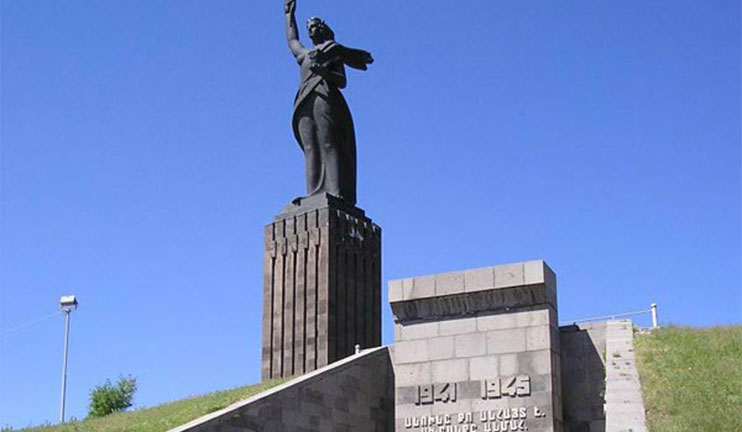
column 428, row 394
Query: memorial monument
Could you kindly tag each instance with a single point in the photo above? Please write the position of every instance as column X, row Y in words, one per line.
column 322, row 286
column 475, row 350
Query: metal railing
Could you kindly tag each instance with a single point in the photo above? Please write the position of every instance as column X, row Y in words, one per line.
column 652, row 310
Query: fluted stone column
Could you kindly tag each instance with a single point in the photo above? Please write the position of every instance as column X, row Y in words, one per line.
column 322, row 286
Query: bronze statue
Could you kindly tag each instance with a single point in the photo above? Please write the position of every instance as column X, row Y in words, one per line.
column 321, row 119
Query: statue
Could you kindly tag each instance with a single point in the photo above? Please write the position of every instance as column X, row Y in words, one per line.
column 321, row 119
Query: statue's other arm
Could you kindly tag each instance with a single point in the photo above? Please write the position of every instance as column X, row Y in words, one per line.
column 292, row 33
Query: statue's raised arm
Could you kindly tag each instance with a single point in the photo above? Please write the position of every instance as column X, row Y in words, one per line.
column 321, row 120
column 292, row 32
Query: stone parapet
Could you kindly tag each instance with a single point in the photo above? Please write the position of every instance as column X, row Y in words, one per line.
column 491, row 289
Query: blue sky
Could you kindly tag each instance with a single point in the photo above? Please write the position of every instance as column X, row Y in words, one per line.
column 146, row 143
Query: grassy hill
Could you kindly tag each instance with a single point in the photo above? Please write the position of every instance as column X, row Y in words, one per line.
column 691, row 378
column 162, row 417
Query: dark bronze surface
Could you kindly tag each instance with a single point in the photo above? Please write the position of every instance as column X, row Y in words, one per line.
column 321, row 119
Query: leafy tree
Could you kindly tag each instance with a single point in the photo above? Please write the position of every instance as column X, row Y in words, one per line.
column 108, row 398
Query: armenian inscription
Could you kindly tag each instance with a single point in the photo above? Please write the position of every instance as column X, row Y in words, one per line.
column 496, row 420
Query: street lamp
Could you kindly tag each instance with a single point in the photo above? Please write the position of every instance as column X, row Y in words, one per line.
column 67, row 304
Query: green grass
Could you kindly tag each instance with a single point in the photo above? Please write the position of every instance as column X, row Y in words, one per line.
column 692, row 378
column 162, row 417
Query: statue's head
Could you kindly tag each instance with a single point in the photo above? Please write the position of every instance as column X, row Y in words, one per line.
column 319, row 31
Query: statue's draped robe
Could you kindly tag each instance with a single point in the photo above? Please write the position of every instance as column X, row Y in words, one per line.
column 323, row 125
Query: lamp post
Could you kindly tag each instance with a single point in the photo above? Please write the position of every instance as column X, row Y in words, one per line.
column 655, row 321
column 67, row 304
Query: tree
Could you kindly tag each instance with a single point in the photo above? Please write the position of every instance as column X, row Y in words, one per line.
column 108, row 398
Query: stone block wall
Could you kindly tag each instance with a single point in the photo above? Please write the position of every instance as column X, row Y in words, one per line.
column 477, row 350
column 601, row 390
column 321, row 288
column 583, row 376
column 624, row 406
column 355, row 394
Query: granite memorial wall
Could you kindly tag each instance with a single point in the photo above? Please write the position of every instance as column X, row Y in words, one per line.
column 477, row 350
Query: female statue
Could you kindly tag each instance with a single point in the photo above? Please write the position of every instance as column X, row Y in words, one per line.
column 321, row 119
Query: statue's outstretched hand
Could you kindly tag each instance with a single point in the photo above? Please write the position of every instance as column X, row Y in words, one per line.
column 289, row 6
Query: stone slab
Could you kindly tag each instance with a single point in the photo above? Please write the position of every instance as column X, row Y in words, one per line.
column 624, row 406
column 489, row 289
column 307, row 204
column 504, row 276
column 354, row 394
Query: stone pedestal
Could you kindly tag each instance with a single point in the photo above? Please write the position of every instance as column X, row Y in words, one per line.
column 477, row 350
column 322, row 286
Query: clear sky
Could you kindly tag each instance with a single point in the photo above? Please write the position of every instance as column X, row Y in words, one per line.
column 145, row 143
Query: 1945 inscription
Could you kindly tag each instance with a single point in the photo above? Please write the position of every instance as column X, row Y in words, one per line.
column 514, row 386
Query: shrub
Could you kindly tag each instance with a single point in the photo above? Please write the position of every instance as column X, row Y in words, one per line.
column 108, row 398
